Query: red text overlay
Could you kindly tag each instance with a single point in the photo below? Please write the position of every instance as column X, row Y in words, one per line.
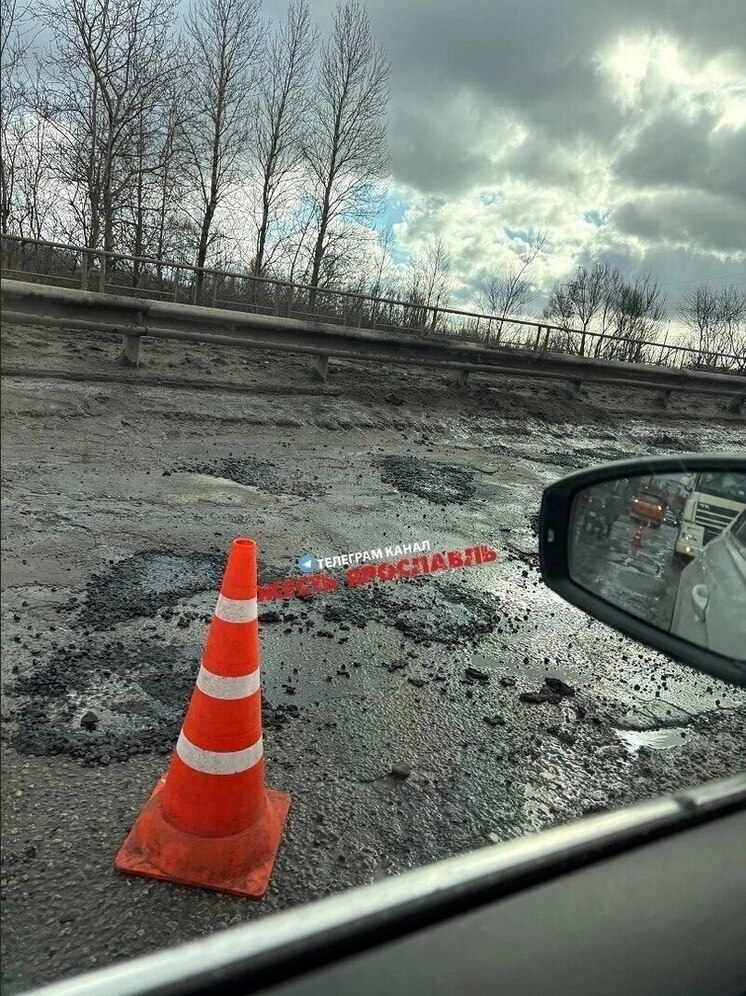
column 400, row 570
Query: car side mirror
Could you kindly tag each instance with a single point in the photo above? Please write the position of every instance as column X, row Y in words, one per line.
column 656, row 548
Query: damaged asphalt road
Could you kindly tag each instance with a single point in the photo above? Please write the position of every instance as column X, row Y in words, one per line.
column 409, row 720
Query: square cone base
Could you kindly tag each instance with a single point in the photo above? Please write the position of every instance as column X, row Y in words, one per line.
column 201, row 861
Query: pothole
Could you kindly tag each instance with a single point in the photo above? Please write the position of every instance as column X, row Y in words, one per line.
column 147, row 582
column 667, row 441
column 255, row 473
column 109, row 702
column 436, row 482
column 423, row 610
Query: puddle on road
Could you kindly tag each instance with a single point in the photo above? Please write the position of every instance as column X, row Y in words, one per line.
column 188, row 488
column 536, row 668
column 661, row 739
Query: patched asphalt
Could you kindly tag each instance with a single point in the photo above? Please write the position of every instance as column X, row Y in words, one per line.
column 409, row 720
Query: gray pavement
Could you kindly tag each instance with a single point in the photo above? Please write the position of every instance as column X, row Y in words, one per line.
column 409, row 721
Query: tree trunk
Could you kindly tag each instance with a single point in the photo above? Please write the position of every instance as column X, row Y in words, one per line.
column 318, row 255
column 204, row 237
column 318, row 252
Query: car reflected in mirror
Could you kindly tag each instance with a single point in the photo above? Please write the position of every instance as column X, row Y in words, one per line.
column 669, row 549
column 710, row 608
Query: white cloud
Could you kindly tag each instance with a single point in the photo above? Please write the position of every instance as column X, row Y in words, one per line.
column 666, row 179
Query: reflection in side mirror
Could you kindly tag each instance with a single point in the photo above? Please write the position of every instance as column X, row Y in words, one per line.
column 668, row 549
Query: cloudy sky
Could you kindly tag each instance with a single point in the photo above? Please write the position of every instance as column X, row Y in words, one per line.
column 618, row 124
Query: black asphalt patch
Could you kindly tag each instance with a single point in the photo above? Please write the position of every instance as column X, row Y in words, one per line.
column 146, row 583
column 103, row 699
column 667, row 441
column 436, row 482
column 426, row 610
column 150, row 583
column 262, row 474
column 109, row 699
column 107, row 703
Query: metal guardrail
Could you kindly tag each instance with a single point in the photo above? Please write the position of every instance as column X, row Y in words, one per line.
column 103, row 271
column 135, row 318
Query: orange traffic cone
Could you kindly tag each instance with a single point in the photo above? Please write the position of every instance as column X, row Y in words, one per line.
column 210, row 821
column 637, row 539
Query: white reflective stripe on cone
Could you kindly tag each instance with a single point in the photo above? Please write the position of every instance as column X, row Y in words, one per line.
column 211, row 762
column 220, row 687
column 236, row 610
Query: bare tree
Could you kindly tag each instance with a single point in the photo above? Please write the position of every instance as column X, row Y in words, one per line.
column 716, row 319
column 346, row 255
column 110, row 67
column 223, row 43
column 35, row 200
column 382, row 275
column 28, row 197
column 604, row 315
column 14, row 125
column 173, row 238
column 638, row 308
column 152, row 218
column 583, row 304
column 428, row 284
column 733, row 311
column 509, row 292
column 282, row 117
column 294, row 241
column 345, row 152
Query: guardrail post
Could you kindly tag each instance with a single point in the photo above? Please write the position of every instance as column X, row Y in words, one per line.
column 661, row 400
column 736, row 403
column 575, row 387
column 21, row 245
column 277, row 300
column 102, row 272
column 320, row 367
column 130, row 355
column 462, row 378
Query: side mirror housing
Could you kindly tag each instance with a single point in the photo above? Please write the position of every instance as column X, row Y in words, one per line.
column 656, row 548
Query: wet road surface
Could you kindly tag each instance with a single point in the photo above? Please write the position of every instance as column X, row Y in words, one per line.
column 643, row 580
column 409, row 721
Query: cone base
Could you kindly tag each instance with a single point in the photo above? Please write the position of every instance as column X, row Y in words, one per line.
column 240, row 865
